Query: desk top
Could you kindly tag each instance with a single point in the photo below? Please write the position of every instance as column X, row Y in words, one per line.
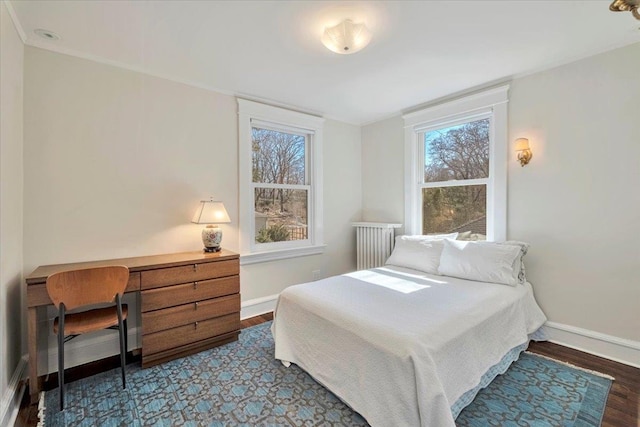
column 40, row 274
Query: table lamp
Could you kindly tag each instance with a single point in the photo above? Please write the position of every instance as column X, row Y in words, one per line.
column 212, row 213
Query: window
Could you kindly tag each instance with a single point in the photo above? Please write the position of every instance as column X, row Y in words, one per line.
column 456, row 174
column 280, row 183
column 455, row 155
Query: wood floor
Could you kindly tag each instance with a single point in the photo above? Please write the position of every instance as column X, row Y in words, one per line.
column 624, row 398
column 621, row 411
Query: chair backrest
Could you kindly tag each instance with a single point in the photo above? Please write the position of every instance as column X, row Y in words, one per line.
column 86, row 286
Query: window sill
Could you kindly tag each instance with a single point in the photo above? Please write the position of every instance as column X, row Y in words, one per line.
column 258, row 257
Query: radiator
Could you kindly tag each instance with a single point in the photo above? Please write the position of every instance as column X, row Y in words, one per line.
column 374, row 243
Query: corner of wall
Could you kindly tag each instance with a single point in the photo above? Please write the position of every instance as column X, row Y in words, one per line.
column 11, row 398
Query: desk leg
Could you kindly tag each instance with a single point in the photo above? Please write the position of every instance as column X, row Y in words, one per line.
column 34, row 386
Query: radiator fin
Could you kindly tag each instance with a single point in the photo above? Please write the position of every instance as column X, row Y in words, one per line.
column 374, row 243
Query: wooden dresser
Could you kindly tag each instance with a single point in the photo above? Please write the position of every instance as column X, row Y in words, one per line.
column 189, row 301
column 188, row 308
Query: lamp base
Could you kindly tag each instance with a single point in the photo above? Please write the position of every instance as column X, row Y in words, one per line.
column 211, row 238
column 209, row 250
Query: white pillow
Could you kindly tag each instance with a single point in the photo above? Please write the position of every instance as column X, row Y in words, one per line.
column 418, row 252
column 481, row 261
column 524, row 248
column 429, row 236
column 467, row 235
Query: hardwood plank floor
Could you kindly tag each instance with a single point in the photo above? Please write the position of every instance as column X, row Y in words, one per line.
column 624, row 398
column 621, row 410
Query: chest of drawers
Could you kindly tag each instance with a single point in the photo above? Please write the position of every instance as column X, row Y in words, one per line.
column 190, row 302
column 189, row 308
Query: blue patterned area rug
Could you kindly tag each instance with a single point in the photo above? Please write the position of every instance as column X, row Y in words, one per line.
column 241, row 384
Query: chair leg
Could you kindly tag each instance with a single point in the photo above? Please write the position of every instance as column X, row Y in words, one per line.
column 126, row 337
column 61, row 355
column 122, row 332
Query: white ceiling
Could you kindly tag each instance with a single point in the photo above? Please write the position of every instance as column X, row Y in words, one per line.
column 420, row 51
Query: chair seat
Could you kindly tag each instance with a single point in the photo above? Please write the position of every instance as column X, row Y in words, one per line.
column 90, row 320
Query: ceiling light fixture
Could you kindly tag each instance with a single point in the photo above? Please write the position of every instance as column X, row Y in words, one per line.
column 346, row 37
column 46, row 34
column 626, row 5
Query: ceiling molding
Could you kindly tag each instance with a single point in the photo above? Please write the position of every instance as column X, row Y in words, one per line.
column 502, row 81
column 382, row 118
column 279, row 104
column 408, row 110
column 95, row 58
column 576, row 58
column 16, row 22
column 318, row 96
column 467, row 104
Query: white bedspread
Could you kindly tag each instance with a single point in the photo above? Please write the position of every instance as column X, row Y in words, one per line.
column 401, row 346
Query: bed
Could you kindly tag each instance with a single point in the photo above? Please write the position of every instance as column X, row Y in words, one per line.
column 403, row 347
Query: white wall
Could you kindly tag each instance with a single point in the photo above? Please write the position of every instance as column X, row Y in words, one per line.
column 577, row 202
column 382, row 172
column 11, row 139
column 117, row 161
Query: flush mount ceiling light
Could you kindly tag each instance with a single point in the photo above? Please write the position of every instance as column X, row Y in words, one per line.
column 46, row 34
column 346, row 37
column 626, row 5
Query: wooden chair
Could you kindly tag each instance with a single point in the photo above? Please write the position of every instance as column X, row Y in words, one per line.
column 78, row 289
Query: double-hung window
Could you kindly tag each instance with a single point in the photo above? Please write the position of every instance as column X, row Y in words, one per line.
column 455, row 161
column 280, row 182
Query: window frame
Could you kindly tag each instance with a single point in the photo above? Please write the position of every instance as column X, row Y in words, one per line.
column 253, row 114
column 308, row 137
column 490, row 104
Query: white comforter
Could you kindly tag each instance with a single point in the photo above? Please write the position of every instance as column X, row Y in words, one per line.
column 400, row 346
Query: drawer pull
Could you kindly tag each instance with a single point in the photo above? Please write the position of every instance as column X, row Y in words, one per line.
column 195, row 267
column 195, row 286
column 196, row 303
column 195, row 325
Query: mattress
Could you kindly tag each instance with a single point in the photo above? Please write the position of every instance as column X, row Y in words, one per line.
column 399, row 346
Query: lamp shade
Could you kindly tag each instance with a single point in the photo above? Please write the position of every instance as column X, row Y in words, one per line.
column 522, row 144
column 211, row 212
column 346, row 37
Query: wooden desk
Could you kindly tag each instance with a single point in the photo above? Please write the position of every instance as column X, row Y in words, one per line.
column 190, row 301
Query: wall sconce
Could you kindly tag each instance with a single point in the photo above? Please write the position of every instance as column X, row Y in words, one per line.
column 524, row 152
column 211, row 212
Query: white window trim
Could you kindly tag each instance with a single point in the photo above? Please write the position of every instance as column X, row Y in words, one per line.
column 254, row 113
column 494, row 101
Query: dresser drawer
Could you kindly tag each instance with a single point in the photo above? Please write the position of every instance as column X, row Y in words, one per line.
column 170, row 296
column 160, row 320
column 188, row 334
column 188, row 273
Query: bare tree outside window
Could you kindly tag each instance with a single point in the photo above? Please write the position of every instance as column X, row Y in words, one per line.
column 278, row 157
column 458, row 153
column 280, row 193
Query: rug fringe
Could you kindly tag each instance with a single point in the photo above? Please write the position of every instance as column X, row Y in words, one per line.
column 596, row 373
column 41, row 410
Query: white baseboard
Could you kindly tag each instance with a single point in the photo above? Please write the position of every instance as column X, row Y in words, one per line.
column 613, row 348
column 10, row 403
column 89, row 348
column 258, row 306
